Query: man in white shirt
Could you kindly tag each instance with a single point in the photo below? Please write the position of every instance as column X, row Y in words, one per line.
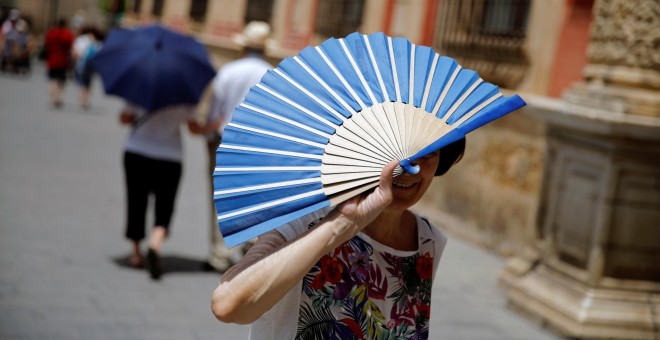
column 230, row 86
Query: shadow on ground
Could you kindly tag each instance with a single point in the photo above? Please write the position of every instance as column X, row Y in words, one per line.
column 171, row 264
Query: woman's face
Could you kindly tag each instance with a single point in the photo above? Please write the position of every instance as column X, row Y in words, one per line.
column 408, row 189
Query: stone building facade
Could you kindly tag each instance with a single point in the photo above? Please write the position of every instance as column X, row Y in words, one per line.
column 44, row 13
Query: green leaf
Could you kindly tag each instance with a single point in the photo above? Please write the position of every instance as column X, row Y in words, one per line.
column 376, row 323
column 315, row 323
column 322, row 298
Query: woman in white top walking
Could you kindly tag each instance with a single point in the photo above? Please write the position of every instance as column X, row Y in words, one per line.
column 152, row 164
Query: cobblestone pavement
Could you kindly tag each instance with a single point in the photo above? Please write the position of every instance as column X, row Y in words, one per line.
column 62, row 251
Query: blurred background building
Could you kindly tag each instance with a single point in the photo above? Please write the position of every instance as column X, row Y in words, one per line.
column 41, row 14
column 568, row 187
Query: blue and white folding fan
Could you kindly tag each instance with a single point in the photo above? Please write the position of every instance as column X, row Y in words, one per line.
column 318, row 129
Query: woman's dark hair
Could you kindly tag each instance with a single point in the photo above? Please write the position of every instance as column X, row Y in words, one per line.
column 450, row 155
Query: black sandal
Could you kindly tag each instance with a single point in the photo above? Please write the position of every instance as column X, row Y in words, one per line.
column 153, row 264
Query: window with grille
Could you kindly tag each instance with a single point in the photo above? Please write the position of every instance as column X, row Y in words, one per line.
column 137, row 5
column 338, row 18
column 487, row 36
column 198, row 9
column 157, row 9
column 259, row 10
column 505, row 17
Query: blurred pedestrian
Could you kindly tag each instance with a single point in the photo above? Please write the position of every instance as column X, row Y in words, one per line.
column 15, row 44
column 8, row 44
column 87, row 43
column 24, row 48
column 230, row 87
column 152, row 163
column 57, row 44
column 12, row 18
column 161, row 74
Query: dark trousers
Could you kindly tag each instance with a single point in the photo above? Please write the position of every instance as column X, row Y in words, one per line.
column 146, row 176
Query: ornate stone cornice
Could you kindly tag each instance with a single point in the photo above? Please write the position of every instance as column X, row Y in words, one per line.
column 626, row 33
column 623, row 74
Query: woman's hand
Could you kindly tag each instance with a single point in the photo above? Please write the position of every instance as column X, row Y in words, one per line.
column 194, row 126
column 126, row 117
column 197, row 128
column 357, row 212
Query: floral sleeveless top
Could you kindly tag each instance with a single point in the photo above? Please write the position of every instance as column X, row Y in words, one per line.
column 366, row 290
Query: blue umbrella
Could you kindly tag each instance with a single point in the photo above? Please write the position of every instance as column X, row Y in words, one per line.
column 153, row 67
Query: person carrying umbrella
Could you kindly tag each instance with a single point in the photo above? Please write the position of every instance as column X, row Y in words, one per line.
column 161, row 74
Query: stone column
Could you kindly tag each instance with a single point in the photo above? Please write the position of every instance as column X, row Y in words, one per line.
column 623, row 74
column 224, row 18
column 595, row 271
column 176, row 15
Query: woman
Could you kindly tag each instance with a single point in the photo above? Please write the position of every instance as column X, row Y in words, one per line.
column 362, row 270
column 152, row 166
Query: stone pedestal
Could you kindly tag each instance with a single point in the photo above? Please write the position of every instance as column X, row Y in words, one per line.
column 595, row 271
column 573, row 309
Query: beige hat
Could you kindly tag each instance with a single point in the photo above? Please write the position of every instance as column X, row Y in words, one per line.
column 255, row 35
column 22, row 26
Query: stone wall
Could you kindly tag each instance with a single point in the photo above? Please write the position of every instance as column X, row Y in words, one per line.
column 491, row 196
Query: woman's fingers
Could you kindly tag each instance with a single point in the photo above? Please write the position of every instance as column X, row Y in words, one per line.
column 364, row 208
column 380, row 198
column 386, row 178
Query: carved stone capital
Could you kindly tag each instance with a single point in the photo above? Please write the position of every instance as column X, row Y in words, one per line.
column 626, row 33
column 623, row 74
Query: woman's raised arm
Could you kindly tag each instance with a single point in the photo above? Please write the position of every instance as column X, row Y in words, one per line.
column 273, row 266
